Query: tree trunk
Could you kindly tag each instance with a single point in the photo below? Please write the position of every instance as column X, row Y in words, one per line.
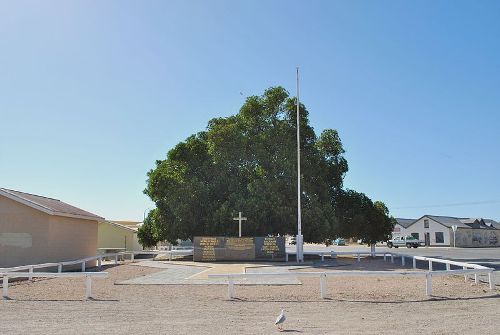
column 372, row 249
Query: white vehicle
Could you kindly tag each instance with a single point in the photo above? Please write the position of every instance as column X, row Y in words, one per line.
column 401, row 241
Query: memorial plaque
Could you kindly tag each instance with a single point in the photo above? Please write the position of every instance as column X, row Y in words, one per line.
column 212, row 249
column 208, row 249
column 240, row 249
column 270, row 248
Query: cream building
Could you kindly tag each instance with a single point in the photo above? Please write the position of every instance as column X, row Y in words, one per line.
column 118, row 236
column 36, row 229
column 437, row 231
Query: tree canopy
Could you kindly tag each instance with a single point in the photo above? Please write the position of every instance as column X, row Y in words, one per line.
column 248, row 162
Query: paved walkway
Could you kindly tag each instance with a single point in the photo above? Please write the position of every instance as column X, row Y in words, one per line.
column 190, row 273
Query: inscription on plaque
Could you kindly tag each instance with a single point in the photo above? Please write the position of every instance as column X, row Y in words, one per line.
column 270, row 248
column 240, row 248
column 207, row 248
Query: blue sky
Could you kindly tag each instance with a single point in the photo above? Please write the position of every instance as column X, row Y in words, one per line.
column 93, row 92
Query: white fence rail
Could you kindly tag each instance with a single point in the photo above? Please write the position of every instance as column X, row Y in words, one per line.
column 333, row 254
column 467, row 268
column 14, row 272
column 99, row 258
column 87, row 275
column 323, row 277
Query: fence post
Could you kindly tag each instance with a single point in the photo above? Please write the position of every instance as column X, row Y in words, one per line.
column 83, row 266
column 465, row 275
column 286, row 256
column 385, row 257
column 403, row 260
column 230, row 287
column 492, row 285
column 59, row 267
column 88, row 287
column 31, row 271
column 5, row 287
column 333, row 255
column 430, row 265
column 476, row 280
column 322, row 257
column 322, row 285
column 414, row 262
column 116, row 259
column 359, row 258
column 99, row 262
column 392, row 258
column 448, row 266
column 132, row 257
column 428, row 284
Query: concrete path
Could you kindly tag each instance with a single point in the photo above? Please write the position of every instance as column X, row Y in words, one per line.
column 196, row 274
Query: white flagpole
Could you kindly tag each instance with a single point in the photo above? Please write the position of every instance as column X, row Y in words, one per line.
column 299, row 239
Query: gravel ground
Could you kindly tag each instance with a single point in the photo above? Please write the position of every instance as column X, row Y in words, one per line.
column 355, row 306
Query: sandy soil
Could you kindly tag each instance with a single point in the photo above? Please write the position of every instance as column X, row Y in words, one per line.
column 355, row 306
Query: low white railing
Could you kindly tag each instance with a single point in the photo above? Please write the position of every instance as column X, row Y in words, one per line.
column 323, row 276
column 333, row 254
column 87, row 275
column 448, row 264
column 99, row 258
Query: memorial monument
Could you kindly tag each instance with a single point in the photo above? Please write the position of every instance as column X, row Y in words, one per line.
column 221, row 248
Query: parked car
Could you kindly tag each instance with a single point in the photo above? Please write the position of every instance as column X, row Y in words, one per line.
column 339, row 241
column 408, row 241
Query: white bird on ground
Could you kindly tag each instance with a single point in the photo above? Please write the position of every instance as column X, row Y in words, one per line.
column 280, row 320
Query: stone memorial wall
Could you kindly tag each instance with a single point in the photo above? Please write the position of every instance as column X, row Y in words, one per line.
column 212, row 249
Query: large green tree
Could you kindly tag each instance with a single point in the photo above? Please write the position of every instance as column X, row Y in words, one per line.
column 360, row 218
column 247, row 162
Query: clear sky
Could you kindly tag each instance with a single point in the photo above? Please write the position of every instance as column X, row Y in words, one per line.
column 93, row 92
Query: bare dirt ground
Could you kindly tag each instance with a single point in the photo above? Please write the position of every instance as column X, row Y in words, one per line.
column 355, row 305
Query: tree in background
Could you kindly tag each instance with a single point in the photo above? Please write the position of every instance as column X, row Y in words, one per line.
column 247, row 162
column 360, row 218
column 148, row 234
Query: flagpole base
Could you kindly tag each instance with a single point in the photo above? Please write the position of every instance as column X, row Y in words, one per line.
column 299, row 240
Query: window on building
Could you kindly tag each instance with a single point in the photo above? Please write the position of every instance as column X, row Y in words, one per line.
column 416, row 235
column 439, row 237
column 426, row 223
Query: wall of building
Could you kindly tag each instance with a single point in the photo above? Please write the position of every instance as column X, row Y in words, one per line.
column 115, row 237
column 71, row 239
column 434, row 226
column 477, row 238
column 29, row 236
column 23, row 234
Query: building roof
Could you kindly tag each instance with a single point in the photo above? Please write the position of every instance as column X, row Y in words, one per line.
column 405, row 222
column 133, row 224
column 122, row 226
column 492, row 223
column 449, row 221
column 49, row 205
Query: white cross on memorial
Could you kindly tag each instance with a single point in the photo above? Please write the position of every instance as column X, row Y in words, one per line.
column 239, row 219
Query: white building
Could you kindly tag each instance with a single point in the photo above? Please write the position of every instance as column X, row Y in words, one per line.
column 437, row 231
